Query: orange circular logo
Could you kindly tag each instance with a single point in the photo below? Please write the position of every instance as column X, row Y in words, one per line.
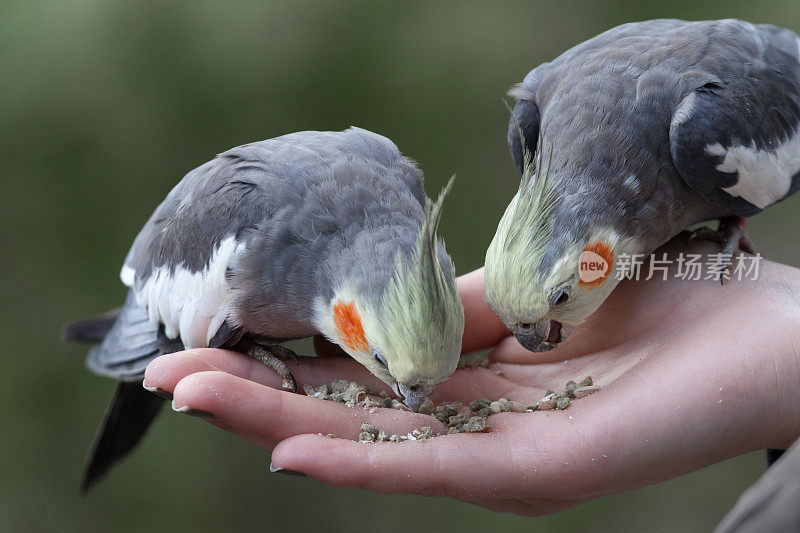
column 594, row 264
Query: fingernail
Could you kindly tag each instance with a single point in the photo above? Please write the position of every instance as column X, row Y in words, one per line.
column 205, row 415
column 158, row 391
column 285, row 471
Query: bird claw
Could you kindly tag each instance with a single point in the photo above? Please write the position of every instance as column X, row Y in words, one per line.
column 285, row 353
column 289, row 383
column 270, row 356
column 731, row 236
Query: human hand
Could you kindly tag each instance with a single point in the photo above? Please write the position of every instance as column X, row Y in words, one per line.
column 691, row 373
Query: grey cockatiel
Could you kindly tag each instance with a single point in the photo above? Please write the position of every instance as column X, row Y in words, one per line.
column 310, row 233
column 635, row 135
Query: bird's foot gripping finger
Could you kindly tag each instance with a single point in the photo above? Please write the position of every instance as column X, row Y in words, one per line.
column 730, row 236
column 270, row 356
column 283, row 352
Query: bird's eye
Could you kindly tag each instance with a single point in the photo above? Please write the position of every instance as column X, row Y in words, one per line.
column 379, row 357
column 560, row 297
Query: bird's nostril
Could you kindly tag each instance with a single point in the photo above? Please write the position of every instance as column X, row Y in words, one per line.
column 525, row 325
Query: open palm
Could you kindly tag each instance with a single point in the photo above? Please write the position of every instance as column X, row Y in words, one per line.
column 691, row 373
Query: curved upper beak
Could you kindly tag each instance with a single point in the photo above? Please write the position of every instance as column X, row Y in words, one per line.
column 543, row 335
column 411, row 396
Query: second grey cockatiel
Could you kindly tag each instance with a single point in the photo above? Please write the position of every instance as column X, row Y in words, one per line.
column 637, row 134
column 310, row 233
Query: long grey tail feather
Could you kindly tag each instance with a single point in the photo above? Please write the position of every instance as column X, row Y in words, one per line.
column 91, row 329
column 129, row 343
column 127, row 419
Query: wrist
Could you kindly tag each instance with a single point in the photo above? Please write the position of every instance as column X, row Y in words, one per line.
column 779, row 359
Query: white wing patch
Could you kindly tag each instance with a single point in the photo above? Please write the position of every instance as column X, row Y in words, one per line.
column 127, row 275
column 764, row 176
column 685, row 110
column 190, row 304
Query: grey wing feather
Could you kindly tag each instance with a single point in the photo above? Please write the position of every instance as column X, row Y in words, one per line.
column 131, row 343
column 523, row 125
column 744, row 93
column 240, row 188
column 216, row 200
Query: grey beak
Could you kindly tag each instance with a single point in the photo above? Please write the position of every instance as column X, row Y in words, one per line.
column 412, row 396
column 541, row 336
column 534, row 342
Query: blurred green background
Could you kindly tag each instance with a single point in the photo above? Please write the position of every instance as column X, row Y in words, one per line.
column 104, row 106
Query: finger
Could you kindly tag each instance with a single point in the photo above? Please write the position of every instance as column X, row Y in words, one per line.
column 464, row 385
column 265, row 415
column 482, row 329
column 166, row 371
column 458, row 466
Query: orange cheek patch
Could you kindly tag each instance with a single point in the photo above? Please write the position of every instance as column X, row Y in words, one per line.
column 595, row 264
column 348, row 322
